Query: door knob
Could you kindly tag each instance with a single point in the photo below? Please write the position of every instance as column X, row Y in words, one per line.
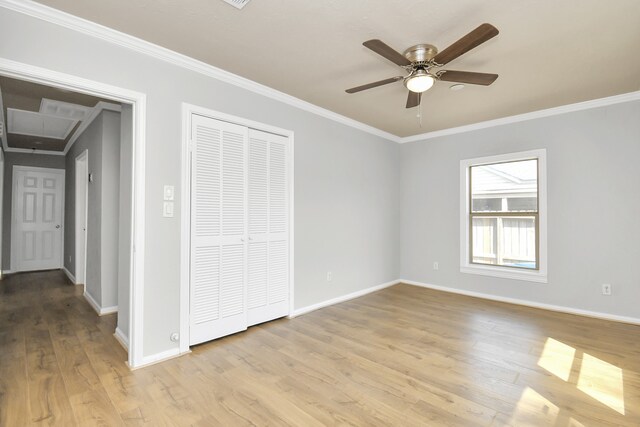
column 58, row 226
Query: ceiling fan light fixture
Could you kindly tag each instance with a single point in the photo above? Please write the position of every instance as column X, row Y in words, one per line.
column 419, row 81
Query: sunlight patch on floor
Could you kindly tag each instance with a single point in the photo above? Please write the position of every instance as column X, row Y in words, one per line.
column 602, row 381
column 557, row 358
column 575, row 423
column 534, row 410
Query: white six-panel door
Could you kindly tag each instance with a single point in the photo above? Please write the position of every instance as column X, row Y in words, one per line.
column 239, row 271
column 38, row 198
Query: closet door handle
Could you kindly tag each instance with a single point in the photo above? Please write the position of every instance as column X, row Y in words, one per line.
column 242, row 239
column 250, row 238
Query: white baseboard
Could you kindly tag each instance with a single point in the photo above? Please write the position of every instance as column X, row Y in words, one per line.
column 69, row 275
column 550, row 307
column 108, row 310
column 7, row 272
column 159, row 357
column 342, row 298
column 122, row 338
column 94, row 304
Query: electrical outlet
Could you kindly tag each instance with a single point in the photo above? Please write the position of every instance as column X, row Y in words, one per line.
column 436, row 265
column 329, row 276
column 606, row 289
column 69, row 258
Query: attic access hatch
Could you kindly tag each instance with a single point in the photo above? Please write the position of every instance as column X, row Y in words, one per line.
column 30, row 123
column 238, row 4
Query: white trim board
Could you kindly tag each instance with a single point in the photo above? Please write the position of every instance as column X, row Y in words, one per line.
column 34, row 151
column 121, row 338
column 343, row 298
column 69, row 275
column 160, row 357
column 568, row 108
column 526, row 303
column 98, row 309
column 93, row 29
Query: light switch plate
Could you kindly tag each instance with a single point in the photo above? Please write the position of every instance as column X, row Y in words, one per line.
column 167, row 210
column 169, row 192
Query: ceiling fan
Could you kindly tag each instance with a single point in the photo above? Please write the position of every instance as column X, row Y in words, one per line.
column 422, row 60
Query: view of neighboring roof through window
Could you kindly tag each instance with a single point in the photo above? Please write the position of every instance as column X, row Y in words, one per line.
column 504, row 214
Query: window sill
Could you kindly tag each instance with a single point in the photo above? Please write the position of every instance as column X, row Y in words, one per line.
column 505, row 273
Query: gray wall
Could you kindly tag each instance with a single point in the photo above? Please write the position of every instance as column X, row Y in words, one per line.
column 110, row 207
column 91, row 140
column 19, row 159
column 102, row 140
column 346, row 181
column 126, row 192
column 593, row 208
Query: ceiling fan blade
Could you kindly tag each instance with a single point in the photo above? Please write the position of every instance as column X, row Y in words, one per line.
column 475, row 38
column 413, row 100
column 484, row 79
column 374, row 84
column 383, row 49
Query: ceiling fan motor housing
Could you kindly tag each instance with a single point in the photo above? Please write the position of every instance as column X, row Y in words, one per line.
column 420, row 52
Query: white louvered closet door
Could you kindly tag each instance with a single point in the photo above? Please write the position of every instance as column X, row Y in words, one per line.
column 268, row 225
column 218, row 229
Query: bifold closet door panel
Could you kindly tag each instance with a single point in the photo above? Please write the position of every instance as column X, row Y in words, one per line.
column 218, row 229
column 268, row 226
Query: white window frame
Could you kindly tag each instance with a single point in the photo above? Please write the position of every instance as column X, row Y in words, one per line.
column 539, row 275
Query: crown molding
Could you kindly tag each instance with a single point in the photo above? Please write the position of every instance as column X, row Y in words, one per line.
column 54, row 16
column 93, row 29
column 33, row 151
column 569, row 108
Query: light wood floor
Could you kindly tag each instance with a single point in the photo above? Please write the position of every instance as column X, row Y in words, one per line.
column 402, row 356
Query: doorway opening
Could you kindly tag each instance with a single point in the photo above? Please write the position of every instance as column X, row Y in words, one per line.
column 81, row 195
column 129, row 273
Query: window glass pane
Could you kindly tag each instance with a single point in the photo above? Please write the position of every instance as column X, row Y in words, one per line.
column 487, row 205
column 484, row 240
column 504, row 240
column 515, row 204
column 505, row 187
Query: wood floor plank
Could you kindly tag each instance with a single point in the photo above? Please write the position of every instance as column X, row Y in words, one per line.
column 89, row 400
column 49, row 402
column 14, row 393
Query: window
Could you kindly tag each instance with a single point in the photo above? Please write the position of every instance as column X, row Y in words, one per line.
column 503, row 207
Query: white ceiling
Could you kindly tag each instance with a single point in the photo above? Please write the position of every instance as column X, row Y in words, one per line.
column 548, row 53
